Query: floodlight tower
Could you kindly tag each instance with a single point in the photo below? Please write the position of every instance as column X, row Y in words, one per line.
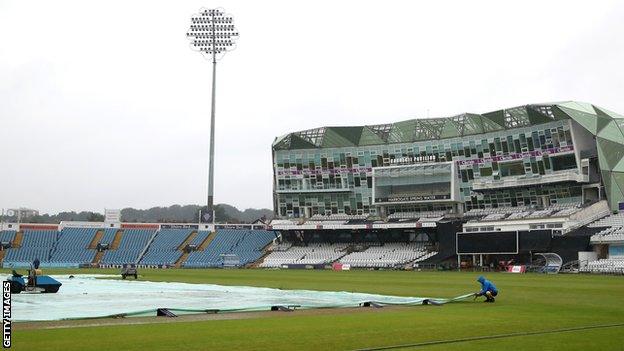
column 212, row 33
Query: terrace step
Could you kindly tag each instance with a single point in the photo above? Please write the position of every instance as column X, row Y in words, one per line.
column 96, row 239
column 17, row 241
column 265, row 253
column 116, row 240
column 187, row 241
column 98, row 257
column 259, row 261
column 207, row 241
column 181, row 260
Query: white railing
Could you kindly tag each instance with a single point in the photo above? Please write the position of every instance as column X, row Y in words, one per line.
column 508, row 182
column 312, row 190
column 587, row 215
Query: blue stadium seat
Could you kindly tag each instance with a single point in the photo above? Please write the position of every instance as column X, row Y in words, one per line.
column 246, row 244
column 163, row 250
column 133, row 241
column 35, row 244
column 72, row 247
column 69, row 247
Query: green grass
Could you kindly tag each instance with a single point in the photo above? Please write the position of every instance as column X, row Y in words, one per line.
column 527, row 303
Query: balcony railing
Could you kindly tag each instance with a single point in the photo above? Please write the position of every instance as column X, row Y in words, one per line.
column 312, row 190
column 518, row 181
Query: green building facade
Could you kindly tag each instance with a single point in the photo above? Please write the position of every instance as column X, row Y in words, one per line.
column 532, row 155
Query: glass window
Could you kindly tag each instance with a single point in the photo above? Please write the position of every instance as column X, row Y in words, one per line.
column 536, row 142
column 522, row 140
column 546, row 160
column 512, row 169
column 517, row 145
column 540, row 166
column 563, row 162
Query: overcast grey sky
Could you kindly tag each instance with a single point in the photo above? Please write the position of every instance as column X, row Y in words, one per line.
column 103, row 104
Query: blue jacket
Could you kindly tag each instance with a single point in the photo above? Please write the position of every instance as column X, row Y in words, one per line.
column 486, row 285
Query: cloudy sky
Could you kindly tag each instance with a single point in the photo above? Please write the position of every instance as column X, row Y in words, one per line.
column 103, row 104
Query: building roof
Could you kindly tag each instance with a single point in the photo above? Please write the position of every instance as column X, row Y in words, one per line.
column 442, row 128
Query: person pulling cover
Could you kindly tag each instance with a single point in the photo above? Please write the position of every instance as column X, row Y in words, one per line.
column 488, row 289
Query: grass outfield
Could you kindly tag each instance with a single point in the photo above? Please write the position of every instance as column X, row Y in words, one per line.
column 528, row 303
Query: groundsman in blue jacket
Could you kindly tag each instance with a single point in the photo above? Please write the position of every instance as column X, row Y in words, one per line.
column 488, row 289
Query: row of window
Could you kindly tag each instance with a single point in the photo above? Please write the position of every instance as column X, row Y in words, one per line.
column 291, row 204
column 316, row 170
column 347, row 158
column 543, row 196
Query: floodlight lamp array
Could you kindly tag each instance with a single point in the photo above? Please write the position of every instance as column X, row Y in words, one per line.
column 212, row 32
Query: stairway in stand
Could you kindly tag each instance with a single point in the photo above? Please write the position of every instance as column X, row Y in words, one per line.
column 17, row 241
column 96, row 239
column 116, row 240
column 207, row 241
column 98, row 257
column 189, row 239
column 181, row 260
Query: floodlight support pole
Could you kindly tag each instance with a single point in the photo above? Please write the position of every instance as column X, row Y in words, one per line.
column 206, row 27
column 212, row 141
column 212, row 127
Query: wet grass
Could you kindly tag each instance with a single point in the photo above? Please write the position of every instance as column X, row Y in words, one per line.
column 527, row 303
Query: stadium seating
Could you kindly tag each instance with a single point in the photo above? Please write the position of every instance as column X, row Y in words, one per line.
column 494, row 216
column 614, row 220
column 283, row 222
column 387, row 256
column 133, row 242
column 163, row 249
column 246, row 244
column 311, row 254
column 279, row 258
column 200, row 237
column 72, row 246
column 325, row 223
column 39, row 238
column 374, row 256
column 35, row 244
column 109, row 235
column 522, row 212
column 7, row 235
column 609, row 234
column 325, row 220
column 281, row 247
column 25, row 255
column 608, row 266
column 322, row 253
column 337, row 217
column 540, row 214
column 613, row 229
column 414, row 215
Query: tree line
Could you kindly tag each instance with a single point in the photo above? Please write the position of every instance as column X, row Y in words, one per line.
column 172, row 214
